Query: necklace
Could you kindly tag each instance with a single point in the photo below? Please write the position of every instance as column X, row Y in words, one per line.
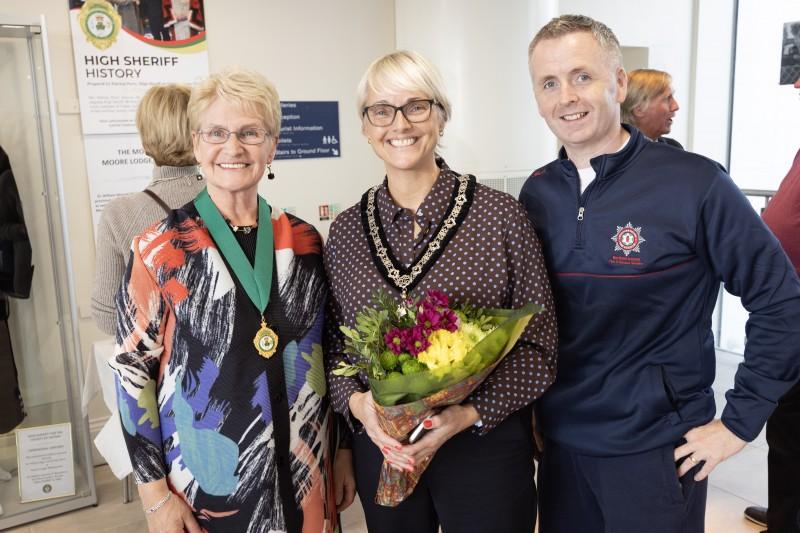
column 241, row 229
column 405, row 279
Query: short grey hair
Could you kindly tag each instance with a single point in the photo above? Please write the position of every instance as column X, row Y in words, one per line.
column 241, row 88
column 567, row 24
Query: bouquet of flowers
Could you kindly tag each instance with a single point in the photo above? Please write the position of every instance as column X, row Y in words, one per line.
column 422, row 355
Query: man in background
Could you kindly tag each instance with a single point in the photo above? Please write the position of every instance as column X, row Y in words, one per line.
column 650, row 104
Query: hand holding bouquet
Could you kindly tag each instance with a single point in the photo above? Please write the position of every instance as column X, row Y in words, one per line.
column 422, row 355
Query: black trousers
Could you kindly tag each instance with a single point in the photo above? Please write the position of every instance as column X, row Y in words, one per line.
column 474, row 484
column 783, row 463
column 626, row 494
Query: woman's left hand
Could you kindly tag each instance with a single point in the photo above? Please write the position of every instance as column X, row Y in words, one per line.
column 448, row 422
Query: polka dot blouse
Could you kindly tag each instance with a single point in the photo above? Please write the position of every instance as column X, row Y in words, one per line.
column 494, row 260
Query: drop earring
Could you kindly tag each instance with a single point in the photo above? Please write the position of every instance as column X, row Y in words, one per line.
column 270, row 175
column 199, row 174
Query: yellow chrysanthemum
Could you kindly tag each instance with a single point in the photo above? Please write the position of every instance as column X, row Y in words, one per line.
column 446, row 348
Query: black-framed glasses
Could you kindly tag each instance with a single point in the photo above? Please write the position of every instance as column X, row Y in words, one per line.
column 245, row 136
column 414, row 111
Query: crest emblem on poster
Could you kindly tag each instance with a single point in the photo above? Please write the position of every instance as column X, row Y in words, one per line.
column 100, row 23
column 627, row 239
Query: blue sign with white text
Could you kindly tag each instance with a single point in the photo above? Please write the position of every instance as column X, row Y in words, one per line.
column 309, row 129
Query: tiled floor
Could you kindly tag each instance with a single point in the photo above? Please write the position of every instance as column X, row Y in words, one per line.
column 735, row 484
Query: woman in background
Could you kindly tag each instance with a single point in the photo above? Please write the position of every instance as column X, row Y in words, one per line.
column 163, row 126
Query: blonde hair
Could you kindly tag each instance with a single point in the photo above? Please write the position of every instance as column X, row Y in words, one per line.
column 243, row 89
column 163, row 125
column 643, row 86
column 567, row 24
column 403, row 70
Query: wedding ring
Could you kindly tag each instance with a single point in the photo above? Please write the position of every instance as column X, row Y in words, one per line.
column 692, row 459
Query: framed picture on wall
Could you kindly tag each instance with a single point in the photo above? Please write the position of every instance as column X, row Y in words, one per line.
column 790, row 53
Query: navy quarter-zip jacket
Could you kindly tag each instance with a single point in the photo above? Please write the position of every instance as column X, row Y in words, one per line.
column 635, row 264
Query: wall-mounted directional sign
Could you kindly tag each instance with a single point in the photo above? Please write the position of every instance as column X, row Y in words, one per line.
column 309, row 129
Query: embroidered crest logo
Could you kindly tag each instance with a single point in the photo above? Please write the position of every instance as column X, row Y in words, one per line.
column 100, row 23
column 627, row 239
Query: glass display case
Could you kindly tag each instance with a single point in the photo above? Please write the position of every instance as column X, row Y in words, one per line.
column 39, row 345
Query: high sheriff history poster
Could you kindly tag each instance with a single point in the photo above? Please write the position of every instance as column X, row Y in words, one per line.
column 122, row 48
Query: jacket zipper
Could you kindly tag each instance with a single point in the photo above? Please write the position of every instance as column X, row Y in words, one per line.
column 582, row 200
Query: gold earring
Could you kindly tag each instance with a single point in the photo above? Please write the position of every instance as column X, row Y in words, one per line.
column 441, row 133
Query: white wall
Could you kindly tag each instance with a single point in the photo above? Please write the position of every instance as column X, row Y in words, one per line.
column 481, row 49
column 713, row 67
column 315, row 52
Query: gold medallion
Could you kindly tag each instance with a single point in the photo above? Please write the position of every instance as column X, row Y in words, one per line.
column 266, row 341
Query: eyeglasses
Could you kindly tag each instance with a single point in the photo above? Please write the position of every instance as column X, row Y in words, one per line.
column 245, row 136
column 414, row 111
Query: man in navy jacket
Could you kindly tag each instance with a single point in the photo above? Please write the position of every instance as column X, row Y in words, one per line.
column 637, row 237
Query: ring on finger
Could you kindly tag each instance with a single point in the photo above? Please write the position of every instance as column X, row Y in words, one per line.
column 692, row 459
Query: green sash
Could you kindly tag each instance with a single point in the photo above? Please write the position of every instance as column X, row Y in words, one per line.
column 256, row 279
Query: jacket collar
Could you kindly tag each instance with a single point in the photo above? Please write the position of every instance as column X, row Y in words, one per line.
column 608, row 165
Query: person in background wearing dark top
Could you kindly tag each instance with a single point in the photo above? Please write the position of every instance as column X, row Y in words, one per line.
column 782, row 515
column 155, row 19
column 637, row 237
column 482, row 476
column 16, row 277
column 16, row 255
column 650, row 104
column 163, row 126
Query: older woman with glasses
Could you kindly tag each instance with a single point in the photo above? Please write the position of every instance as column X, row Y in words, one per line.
column 439, row 230
column 219, row 359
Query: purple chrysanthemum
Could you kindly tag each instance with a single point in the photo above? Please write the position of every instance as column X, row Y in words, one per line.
column 414, row 340
column 394, row 340
column 438, row 298
column 429, row 319
column 449, row 321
